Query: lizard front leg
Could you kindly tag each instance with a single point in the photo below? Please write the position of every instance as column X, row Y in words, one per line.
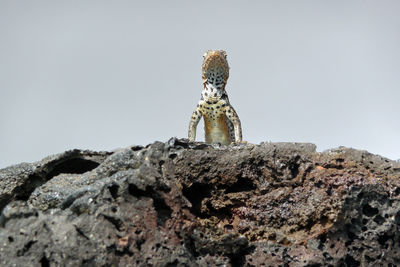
column 234, row 118
column 196, row 116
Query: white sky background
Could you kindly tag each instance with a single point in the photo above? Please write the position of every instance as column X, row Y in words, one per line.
column 107, row 74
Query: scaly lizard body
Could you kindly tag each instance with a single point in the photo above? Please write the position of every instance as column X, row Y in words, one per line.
column 221, row 123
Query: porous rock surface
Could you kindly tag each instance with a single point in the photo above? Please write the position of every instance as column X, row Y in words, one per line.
column 192, row 204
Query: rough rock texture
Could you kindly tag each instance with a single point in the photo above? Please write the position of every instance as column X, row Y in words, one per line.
column 192, row 204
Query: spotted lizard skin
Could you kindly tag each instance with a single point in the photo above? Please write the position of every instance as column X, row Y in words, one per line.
column 221, row 122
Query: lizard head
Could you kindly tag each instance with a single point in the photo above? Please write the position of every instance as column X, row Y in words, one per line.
column 215, row 69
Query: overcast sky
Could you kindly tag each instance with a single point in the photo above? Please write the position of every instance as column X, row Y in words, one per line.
column 102, row 75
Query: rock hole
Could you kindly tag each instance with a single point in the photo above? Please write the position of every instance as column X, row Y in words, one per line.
column 114, row 190
column 327, row 256
column 379, row 219
column 10, row 239
column 351, row 235
column 139, row 243
column 369, row 211
column 294, row 167
column 397, row 218
column 25, row 190
column 239, row 258
column 397, row 191
column 333, row 166
column 368, row 259
column 124, row 252
column 383, row 240
column 135, row 191
column 329, row 191
column 228, row 226
column 173, row 263
column 88, row 262
column 161, row 163
column 272, row 237
column 351, row 262
column 115, row 221
column 164, row 212
column 136, row 148
column 348, row 243
column 172, row 155
column 74, row 165
column 195, row 194
column 242, row 185
column 322, row 240
column 44, row 262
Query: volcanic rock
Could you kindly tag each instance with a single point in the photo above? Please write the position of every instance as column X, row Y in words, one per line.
column 184, row 203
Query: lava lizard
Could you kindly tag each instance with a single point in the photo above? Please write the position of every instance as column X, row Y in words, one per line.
column 221, row 122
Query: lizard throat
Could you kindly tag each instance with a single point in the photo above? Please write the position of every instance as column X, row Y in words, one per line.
column 211, row 92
